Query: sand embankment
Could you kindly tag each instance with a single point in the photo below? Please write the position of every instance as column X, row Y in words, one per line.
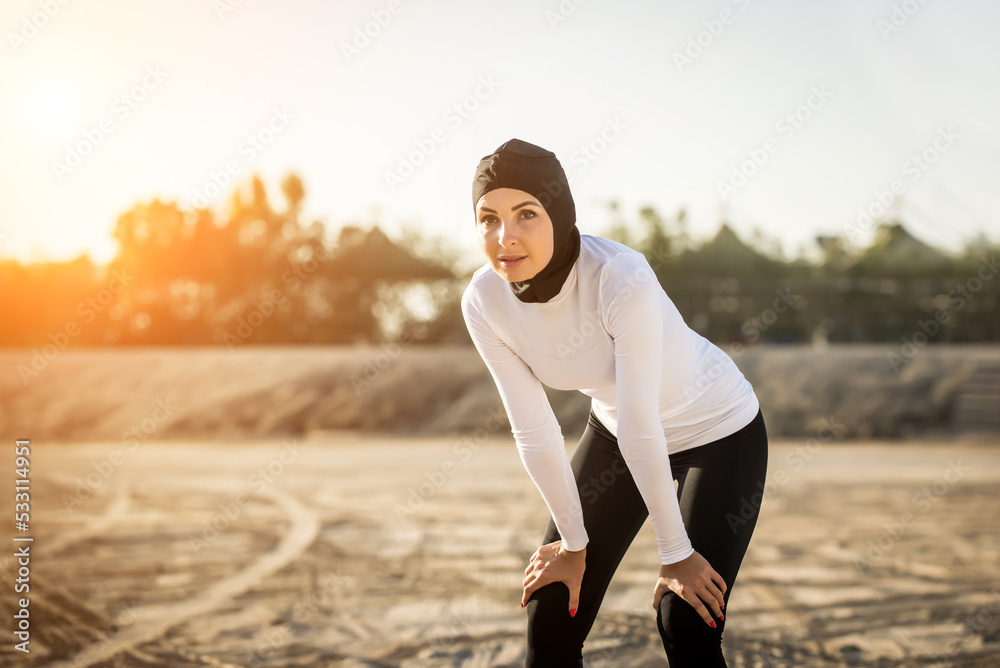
column 183, row 393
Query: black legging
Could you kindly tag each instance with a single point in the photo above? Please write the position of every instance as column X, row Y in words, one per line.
column 720, row 489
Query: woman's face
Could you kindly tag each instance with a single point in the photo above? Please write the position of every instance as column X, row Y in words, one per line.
column 515, row 233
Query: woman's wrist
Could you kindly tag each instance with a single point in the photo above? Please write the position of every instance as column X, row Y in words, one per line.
column 666, row 569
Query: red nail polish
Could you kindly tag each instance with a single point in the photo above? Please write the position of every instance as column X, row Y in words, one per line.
column 572, row 612
column 713, row 625
column 722, row 617
column 522, row 604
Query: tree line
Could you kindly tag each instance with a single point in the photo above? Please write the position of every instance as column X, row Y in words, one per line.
column 259, row 275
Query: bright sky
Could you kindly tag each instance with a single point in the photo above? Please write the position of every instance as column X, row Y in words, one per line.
column 107, row 103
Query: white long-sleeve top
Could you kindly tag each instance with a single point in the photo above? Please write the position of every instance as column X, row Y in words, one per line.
column 613, row 334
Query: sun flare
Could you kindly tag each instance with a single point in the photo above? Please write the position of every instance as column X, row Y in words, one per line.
column 51, row 108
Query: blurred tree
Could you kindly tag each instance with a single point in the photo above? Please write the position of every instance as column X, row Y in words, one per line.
column 258, row 276
column 261, row 275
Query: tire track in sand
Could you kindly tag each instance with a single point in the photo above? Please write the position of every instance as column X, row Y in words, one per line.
column 153, row 621
column 116, row 511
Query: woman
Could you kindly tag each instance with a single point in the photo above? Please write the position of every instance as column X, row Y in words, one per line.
column 580, row 312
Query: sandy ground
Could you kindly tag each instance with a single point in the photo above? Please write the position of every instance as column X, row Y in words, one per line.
column 353, row 550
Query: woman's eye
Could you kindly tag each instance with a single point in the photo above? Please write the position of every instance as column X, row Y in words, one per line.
column 488, row 220
column 528, row 213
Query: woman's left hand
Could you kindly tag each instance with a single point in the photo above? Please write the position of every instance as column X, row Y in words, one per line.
column 551, row 563
column 695, row 581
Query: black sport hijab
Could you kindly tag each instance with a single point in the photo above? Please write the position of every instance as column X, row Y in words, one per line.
column 523, row 166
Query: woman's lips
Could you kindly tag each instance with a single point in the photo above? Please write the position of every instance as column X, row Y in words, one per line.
column 510, row 263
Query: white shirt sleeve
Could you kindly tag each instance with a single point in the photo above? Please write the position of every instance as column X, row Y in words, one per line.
column 534, row 426
column 635, row 322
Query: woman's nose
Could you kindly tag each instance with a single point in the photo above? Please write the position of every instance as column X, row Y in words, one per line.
column 507, row 235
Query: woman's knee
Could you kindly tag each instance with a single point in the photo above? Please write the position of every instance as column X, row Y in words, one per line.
column 684, row 632
column 554, row 638
column 548, row 612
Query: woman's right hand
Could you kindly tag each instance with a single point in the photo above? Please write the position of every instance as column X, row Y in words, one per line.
column 551, row 563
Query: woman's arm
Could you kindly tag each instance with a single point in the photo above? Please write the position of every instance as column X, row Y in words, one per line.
column 539, row 438
column 635, row 322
